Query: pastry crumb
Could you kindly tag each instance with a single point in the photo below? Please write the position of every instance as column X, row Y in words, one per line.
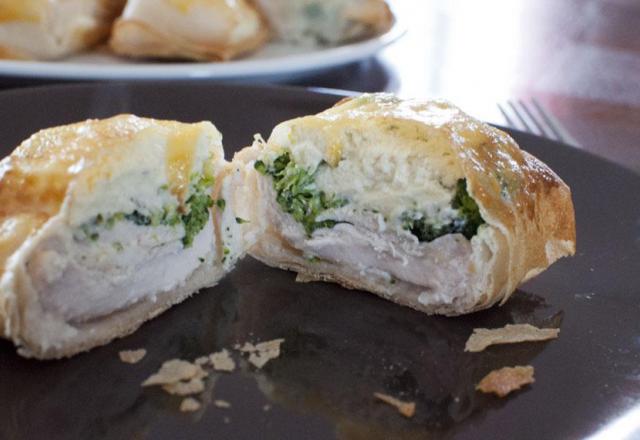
column 132, row 356
column 222, row 404
column 193, row 386
column 261, row 353
column 407, row 409
column 266, row 408
column 174, row 371
column 305, row 278
column 482, row 338
column 222, row 361
column 202, row 360
column 189, row 405
column 506, row 380
column 247, row 347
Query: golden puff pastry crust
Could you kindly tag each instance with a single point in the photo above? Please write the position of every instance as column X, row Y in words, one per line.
column 105, row 224
column 45, row 29
column 383, row 157
column 188, row 29
column 325, row 22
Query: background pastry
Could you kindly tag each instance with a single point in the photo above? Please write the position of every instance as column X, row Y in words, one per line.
column 104, row 225
column 47, row 29
column 414, row 201
column 189, row 29
column 327, row 22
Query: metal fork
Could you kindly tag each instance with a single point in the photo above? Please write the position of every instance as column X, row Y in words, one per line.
column 533, row 118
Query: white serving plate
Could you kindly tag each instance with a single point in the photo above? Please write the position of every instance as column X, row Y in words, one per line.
column 273, row 60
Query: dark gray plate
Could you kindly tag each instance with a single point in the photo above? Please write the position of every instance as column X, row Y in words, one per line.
column 342, row 346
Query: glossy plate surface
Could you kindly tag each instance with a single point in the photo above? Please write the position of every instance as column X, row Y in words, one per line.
column 342, row 346
column 272, row 61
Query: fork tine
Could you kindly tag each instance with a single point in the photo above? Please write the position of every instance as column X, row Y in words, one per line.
column 507, row 118
column 552, row 126
column 542, row 128
column 518, row 113
column 530, row 116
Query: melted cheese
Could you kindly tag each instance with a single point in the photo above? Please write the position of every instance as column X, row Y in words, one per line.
column 181, row 149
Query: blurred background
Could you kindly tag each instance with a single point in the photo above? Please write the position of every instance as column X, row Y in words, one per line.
column 565, row 69
column 578, row 60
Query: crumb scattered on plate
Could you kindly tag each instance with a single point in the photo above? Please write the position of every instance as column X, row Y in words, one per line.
column 505, row 380
column 173, row 371
column 222, row 404
column 189, row 405
column 203, row 360
column 510, row 334
column 132, row 356
column 193, row 386
column 261, row 353
column 227, row 420
column 222, row 361
column 266, row 408
column 183, row 378
column 407, row 409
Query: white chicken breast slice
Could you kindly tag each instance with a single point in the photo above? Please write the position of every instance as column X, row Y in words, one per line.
column 82, row 280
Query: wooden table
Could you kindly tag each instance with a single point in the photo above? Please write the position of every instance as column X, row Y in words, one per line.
column 579, row 58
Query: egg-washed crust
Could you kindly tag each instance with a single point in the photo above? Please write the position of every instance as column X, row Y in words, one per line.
column 526, row 203
column 135, row 38
column 378, row 19
column 113, row 8
column 39, row 177
column 8, row 53
column 106, row 12
column 375, row 16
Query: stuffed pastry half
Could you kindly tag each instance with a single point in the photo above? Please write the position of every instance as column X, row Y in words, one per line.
column 48, row 29
column 105, row 224
column 325, row 22
column 414, row 201
column 188, row 29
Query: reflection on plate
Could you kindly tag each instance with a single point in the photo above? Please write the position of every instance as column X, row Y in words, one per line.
column 320, row 387
column 272, row 61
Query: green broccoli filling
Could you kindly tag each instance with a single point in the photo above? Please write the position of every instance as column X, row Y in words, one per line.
column 297, row 192
column 467, row 222
column 298, row 195
column 197, row 212
column 194, row 218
